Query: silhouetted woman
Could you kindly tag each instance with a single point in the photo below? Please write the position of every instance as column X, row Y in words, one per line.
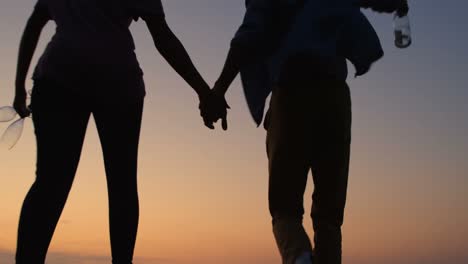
column 89, row 67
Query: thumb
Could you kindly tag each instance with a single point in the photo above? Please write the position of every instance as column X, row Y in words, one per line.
column 224, row 123
column 226, row 104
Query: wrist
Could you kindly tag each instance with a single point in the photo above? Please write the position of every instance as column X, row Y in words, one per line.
column 20, row 91
column 203, row 94
column 20, row 84
column 219, row 89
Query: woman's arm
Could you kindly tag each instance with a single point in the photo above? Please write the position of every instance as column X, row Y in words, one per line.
column 28, row 44
column 175, row 54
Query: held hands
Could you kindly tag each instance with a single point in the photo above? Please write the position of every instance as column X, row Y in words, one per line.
column 213, row 107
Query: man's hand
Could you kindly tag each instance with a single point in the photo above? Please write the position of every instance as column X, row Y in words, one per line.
column 385, row 6
column 20, row 103
column 212, row 108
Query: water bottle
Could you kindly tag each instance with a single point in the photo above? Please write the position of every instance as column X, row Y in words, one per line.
column 401, row 26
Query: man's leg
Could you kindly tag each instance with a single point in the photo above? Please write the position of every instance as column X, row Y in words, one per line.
column 330, row 173
column 119, row 131
column 330, row 165
column 288, row 170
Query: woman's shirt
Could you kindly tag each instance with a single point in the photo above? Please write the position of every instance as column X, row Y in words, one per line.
column 92, row 51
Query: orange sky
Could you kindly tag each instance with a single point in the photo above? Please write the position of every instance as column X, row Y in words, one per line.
column 204, row 193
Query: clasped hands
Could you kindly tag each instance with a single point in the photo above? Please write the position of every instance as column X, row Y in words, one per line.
column 213, row 107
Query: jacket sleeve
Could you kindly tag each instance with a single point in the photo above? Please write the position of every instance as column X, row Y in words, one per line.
column 257, row 26
column 265, row 23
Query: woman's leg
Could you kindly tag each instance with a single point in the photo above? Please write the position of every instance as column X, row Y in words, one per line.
column 119, row 130
column 60, row 127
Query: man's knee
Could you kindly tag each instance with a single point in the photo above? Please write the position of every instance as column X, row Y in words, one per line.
column 286, row 212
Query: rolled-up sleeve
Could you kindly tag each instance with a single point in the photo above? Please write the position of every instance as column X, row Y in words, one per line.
column 141, row 8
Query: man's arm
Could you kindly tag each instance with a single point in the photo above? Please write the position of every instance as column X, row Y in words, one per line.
column 251, row 40
column 230, row 70
column 28, row 44
column 245, row 46
column 175, row 54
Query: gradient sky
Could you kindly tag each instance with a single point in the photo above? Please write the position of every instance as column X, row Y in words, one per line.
column 204, row 193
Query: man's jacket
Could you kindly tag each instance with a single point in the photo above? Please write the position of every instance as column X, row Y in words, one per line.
column 276, row 30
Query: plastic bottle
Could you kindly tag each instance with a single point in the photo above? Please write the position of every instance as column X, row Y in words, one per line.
column 401, row 24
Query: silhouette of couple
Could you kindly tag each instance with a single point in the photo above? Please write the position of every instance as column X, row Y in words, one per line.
column 296, row 49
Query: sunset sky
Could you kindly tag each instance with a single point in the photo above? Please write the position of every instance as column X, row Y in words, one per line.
column 204, row 193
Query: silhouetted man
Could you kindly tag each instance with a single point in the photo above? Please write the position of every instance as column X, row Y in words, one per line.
column 298, row 49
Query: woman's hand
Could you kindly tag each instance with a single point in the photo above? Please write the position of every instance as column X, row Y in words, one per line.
column 20, row 102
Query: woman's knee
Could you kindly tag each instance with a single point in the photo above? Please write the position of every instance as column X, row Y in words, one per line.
column 52, row 187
